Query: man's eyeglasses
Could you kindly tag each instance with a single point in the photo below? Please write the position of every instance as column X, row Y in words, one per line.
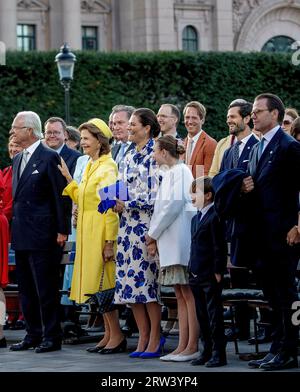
column 256, row 112
column 286, row 122
column 52, row 133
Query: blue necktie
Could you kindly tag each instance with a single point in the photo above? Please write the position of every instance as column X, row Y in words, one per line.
column 260, row 148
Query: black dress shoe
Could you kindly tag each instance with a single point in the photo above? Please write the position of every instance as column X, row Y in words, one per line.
column 20, row 324
column 3, row 343
column 118, row 349
column 279, row 362
column 47, row 346
column 262, row 337
column 201, row 360
column 94, row 349
column 23, row 345
column 255, row 363
column 218, row 359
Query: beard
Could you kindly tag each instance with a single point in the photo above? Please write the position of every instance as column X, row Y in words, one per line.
column 237, row 129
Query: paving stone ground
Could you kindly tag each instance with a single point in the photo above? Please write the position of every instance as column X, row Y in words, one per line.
column 75, row 358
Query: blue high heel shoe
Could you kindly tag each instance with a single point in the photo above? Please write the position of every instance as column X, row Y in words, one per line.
column 135, row 354
column 157, row 353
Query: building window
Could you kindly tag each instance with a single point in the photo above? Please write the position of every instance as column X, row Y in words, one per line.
column 190, row 39
column 26, row 37
column 281, row 43
column 89, row 38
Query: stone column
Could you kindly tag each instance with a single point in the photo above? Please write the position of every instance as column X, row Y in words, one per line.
column 222, row 26
column 71, row 11
column 166, row 29
column 8, row 23
column 127, row 25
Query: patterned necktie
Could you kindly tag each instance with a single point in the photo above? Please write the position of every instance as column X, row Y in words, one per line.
column 25, row 158
column 260, row 148
column 236, row 153
column 189, row 151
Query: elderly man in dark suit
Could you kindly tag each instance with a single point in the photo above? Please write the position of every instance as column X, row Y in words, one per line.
column 55, row 137
column 273, row 187
column 39, row 229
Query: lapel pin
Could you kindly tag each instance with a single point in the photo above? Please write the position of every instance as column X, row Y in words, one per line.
column 34, row 165
column 271, row 152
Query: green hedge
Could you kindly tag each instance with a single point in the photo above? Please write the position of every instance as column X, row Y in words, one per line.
column 29, row 81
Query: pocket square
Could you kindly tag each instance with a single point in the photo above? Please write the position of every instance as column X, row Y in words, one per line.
column 35, row 172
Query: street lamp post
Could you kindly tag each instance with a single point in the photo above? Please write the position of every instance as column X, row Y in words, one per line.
column 65, row 63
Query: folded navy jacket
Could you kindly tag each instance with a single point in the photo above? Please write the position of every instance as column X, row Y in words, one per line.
column 109, row 194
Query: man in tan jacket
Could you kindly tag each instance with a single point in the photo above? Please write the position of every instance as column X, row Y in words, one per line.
column 200, row 147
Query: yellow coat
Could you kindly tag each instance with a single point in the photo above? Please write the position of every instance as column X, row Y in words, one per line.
column 93, row 229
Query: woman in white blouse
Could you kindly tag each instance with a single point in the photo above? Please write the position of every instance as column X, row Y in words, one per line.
column 170, row 230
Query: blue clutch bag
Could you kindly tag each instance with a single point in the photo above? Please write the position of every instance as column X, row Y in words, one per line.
column 109, row 193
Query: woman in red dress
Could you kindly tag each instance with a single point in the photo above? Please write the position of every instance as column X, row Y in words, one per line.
column 4, row 240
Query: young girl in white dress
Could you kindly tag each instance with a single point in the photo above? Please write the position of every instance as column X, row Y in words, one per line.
column 170, row 229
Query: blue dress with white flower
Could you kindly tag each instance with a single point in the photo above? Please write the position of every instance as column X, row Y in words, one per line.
column 136, row 272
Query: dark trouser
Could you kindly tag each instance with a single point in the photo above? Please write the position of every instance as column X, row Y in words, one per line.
column 38, row 280
column 209, row 310
column 278, row 283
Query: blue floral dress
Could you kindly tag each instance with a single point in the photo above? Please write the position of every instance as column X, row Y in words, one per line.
column 136, row 272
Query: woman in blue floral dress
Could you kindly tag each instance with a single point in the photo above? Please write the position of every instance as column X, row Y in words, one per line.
column 137, row 272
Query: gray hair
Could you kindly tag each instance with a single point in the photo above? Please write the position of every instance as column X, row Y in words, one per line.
column 123, row 108
column 32, row 120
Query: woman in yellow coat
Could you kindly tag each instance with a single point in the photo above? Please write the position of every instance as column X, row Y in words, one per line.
column 96, row 233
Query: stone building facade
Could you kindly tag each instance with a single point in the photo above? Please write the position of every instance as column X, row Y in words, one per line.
column 146, row 25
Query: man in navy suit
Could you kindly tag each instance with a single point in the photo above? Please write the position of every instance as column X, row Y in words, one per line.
column 39, row 230
column 240, row 123
column 208, row 259
column 237, row 156
column 273, row 189
column 55, row 137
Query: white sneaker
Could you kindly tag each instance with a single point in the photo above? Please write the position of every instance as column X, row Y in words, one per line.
column 168, row 357
column 185, row 358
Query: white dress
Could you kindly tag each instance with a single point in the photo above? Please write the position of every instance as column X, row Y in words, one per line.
column 171, row 220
